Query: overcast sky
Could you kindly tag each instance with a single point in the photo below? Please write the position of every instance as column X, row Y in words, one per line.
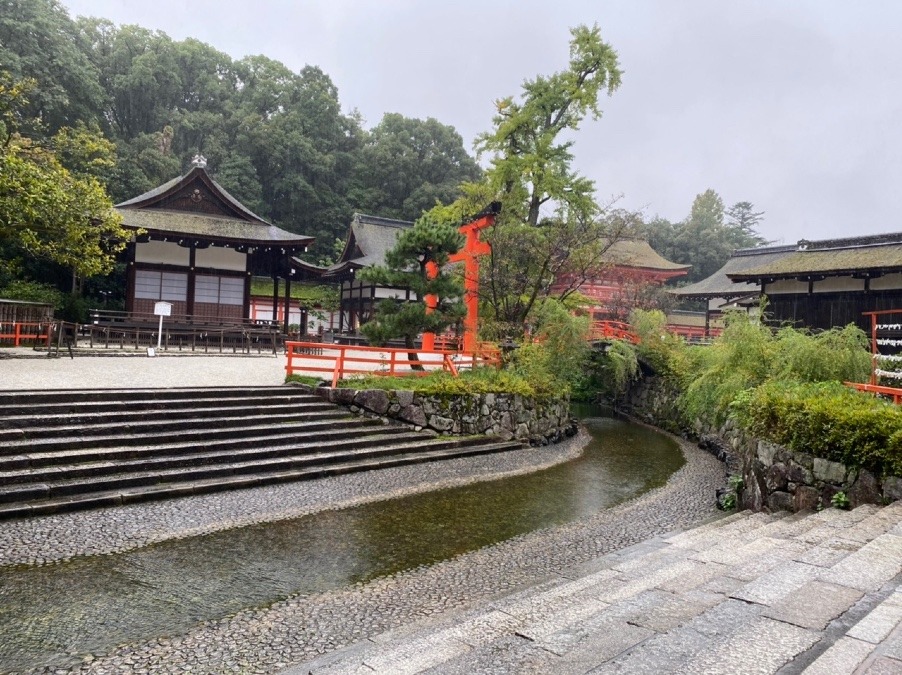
column 791, row 105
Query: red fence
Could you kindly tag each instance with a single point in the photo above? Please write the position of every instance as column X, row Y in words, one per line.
column 338, row 361
column 877, row 390
column 23, row 331
column 613, row 330
column 620, row 330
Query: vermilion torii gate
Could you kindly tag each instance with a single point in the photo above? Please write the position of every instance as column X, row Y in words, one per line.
column 469, row 256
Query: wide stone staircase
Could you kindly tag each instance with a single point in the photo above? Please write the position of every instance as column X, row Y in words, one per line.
column 73, row 449
column 749, row 593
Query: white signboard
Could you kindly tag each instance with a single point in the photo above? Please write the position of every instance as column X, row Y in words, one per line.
column 161, row 309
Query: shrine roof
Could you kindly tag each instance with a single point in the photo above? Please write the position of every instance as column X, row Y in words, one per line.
column 831, row 257
column 196, row 206
column 720, row 285
column 370, row 239
column 212, row 228
column 639, row 253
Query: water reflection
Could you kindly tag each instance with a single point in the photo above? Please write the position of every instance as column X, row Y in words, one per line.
column 51, row 614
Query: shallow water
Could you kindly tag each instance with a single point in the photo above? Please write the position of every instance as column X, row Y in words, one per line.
column 50, row 615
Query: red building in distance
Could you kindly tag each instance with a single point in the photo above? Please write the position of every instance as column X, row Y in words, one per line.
column 631, row 271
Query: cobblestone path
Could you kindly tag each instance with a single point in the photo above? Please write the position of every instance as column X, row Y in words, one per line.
column 300, row 628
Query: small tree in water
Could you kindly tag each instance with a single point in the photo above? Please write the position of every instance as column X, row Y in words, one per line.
column 407, row 265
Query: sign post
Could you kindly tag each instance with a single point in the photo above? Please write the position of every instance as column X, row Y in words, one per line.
column 161, row 309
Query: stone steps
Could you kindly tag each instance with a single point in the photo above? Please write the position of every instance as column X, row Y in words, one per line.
column 80, row 449
column 818, row 593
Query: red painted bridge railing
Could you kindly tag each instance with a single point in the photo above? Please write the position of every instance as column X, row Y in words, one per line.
column 613, row 330
column 334, row 361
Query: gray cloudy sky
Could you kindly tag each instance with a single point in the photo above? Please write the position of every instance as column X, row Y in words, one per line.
column 791, row 105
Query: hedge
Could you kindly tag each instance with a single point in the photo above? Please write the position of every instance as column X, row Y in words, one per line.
column 828, row 420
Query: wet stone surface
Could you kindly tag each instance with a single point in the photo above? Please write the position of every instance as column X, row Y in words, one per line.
column 303, row 626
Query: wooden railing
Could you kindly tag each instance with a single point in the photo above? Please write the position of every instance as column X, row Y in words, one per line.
column 878, row 390
column 123, row 330
column 620, row 330
column 319, row 359
column 613, row 330
column 20, row 332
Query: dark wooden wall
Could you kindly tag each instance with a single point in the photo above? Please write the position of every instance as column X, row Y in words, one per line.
column 829, row 310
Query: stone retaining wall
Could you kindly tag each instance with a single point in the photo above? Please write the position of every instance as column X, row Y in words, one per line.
column 505, row 416
column 773, row 477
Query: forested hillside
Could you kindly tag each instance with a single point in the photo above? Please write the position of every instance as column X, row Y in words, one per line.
column 280, row 141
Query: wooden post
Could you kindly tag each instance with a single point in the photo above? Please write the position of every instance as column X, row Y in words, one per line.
column 275, row 288
column 873, row 349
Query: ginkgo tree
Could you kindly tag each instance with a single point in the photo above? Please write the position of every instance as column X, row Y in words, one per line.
column 552, row 235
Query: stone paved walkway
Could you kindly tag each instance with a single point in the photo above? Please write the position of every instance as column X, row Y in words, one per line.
column 751, row 593
column 299, row 628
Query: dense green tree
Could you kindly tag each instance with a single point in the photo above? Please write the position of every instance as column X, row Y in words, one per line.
column 407, row 264
column 85, row 150
column 742, row 216
column 407, row 165
column 56, row 215
column 277, row 139
column 704, row 240
column 38, row 40
column 551, row 233
column 47, row 211
column 531, row 157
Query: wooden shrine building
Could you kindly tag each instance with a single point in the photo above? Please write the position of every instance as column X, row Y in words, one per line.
column 369, row 239
column 629, row 266
column 830, row 283
column 721, row 293
column 198, row 248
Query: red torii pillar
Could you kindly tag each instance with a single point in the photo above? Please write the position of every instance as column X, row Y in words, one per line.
column 469, row 255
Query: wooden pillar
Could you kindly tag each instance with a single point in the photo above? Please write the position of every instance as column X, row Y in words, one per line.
column 287, row 317
column 246, row 308
column 431, row 304
column 189, row 292
column 341, row 307
column 274, row 260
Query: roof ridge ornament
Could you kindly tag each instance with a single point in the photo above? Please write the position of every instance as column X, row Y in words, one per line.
column 199, row 161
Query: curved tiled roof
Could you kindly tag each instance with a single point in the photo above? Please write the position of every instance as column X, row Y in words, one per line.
column 371, row 238
column 832, row 257
column 639, row 253
column 213, row 228
column 205, row 212
column 720, row 285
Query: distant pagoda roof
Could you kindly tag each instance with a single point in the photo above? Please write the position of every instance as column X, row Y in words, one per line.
column 194, row 206
column 871, row 255
column 630, row 252
column 720, row 284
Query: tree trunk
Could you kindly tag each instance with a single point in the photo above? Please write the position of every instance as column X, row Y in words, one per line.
column 412, row 356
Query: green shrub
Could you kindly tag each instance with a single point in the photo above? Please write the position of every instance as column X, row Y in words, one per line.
column 828, row 420
column 610, row 371
column 33, row 291
column 749, row 354
column 666, row 353
column 478, row 381
column 840, row 501
column 303, row 379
